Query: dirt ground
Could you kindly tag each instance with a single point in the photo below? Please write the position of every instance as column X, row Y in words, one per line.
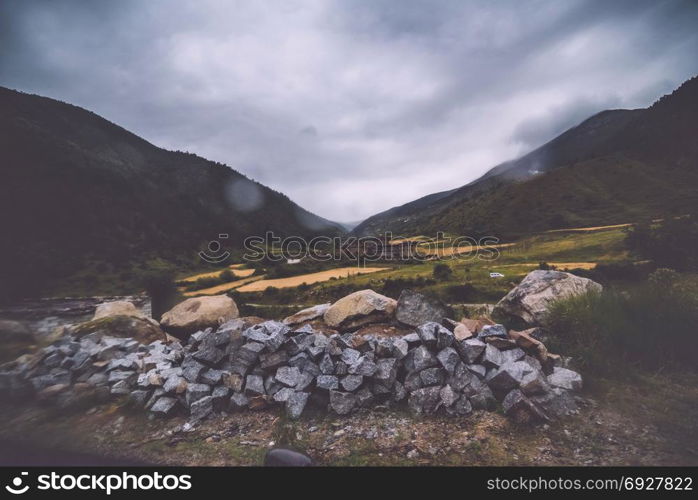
column 652, row 422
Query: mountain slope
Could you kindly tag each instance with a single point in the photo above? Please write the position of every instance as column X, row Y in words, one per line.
column 617, row 166
column 75, row 188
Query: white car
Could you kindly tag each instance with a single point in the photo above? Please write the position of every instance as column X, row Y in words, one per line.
column 496, row 275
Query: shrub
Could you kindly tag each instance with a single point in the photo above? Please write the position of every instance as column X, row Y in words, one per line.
column 442, row 272
column 226, row 276
column 652, row 326
column 669, row 244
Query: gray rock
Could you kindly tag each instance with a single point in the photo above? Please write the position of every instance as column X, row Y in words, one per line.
column 444, row 338
column 462, row 406
column 534, row 383
column 423, row 358
column 364, row 366
column 298, row 343
column 121, row 388
column 238, row 402
column 282, row 395
column 220, row 397
column 175, row 384
column 449, row 358
column 448, row 395
column 271, row 360
column 270, row 333
column 478, row 370
column 461, row 378
column 508, row 376
column 556, row 403
column 400, row 348
column 350, row 356
column 327, row 382
column 521, row 409
column 211, row 377
column 196, row 392
column 342, row 402
column 201, row 408
column 531, row 299
column 427, row 334
column 209, row 356
column 311, row 368
column 271, row 385
column 118, row 375
column 299, row 360
column 411, row 339
column 565, row 379
column 470, row 350
column 315, row 351
column 341, row 368
column 163, row 406
column 512, row 355
column 288, row 375
column 535, row 364
column 326, row 365
column 387, row 371
column 493, row 331
column 432, row 376
column 425, row 400
column 492, row 357
column 304, row 381
column 192, row 371
column 97, row 379
column 139, row 398
column 295, row 404
column 414, row 309
column 351, row 382
column 254, row 385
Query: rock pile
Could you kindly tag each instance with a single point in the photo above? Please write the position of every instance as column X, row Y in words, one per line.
column 245, row 364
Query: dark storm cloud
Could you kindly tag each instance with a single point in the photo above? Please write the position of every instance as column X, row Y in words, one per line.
column 349, row 107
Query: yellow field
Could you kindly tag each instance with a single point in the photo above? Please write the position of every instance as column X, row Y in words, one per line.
column 558, row 265
column 593, row 228
column 218, row 289
column 238, row 273
column 342, row 272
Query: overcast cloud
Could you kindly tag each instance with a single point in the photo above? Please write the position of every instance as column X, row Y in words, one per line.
column 349, row 107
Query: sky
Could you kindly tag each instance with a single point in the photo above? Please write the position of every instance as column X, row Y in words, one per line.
column 350, row 107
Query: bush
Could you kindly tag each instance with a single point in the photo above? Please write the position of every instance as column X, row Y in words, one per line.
column 669, row 244
column 226, row 276
column 442, row 272
column 652, row 326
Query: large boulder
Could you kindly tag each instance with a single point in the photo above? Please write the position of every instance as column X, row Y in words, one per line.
column 414, row 309
column 140, row 329
column 530, row 300
column 359, row 309
column 199, row 313
column 117, row 308
column 309, row 314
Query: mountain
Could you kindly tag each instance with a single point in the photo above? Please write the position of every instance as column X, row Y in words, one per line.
column 617, row 166
column 76, row 189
